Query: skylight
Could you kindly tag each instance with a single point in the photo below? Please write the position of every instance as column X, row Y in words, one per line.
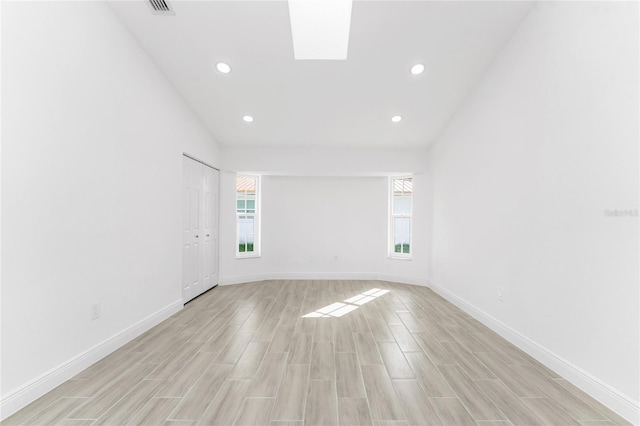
column 320, row 28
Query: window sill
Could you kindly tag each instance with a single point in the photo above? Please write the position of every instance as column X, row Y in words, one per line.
column 400, row 257
column 247, row 256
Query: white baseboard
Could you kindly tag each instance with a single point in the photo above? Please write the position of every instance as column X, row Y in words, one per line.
column 29, row 392
column 403, row 279
column 324, row 276
column 615, row 400
column 244, row 279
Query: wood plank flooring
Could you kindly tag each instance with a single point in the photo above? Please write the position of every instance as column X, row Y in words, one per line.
column 317, row 353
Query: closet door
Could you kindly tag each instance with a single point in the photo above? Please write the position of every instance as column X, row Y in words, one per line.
column 200, row 197
column 211, row 179
column 191, row 224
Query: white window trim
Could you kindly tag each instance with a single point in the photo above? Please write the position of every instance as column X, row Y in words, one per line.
column 391, row 254
column 256, row 223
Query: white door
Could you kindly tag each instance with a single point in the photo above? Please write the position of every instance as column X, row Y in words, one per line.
column 191, row 194
column 210, row 227
column 199, row 228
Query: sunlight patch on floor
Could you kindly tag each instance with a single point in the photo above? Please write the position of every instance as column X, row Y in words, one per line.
column 339, row 309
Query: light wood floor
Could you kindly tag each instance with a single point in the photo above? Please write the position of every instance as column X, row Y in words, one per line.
column 247, row 355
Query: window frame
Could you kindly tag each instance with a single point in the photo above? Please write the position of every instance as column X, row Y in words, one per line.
column 256, row 219
column 391, row 253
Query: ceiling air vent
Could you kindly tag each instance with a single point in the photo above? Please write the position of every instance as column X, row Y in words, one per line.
column 160, row 7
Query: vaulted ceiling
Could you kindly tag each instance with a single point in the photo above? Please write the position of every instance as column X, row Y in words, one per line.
column 324, row 103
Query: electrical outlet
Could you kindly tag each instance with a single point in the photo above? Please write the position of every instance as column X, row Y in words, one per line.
column 95, row 311
column 500, row 292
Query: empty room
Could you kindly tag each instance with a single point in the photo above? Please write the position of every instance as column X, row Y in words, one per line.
column 320, row 212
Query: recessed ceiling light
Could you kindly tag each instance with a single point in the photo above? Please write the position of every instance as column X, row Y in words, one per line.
column 247, row 118
column 224, row 68
column 396, row 118
column 417, row 69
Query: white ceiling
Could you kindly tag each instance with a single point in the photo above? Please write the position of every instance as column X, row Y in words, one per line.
column 324, row 103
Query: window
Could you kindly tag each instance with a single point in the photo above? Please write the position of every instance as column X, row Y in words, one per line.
column 247, row 216
column 401, row 206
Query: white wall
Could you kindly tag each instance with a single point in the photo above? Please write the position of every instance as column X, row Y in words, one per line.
column 92, row 141
column 521, row 181
column 346, row 183
column 325, row 161
column 345, row 230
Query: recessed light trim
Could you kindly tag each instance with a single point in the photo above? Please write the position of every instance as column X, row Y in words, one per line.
column 247, row 118
column 417, row 69
column 223, row 67
column 396, row 118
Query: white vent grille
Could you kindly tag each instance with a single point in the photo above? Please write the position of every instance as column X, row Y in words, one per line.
column 161, row 7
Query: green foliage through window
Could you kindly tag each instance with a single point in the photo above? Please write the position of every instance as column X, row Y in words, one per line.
column 402, row 248
column 245, row 248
